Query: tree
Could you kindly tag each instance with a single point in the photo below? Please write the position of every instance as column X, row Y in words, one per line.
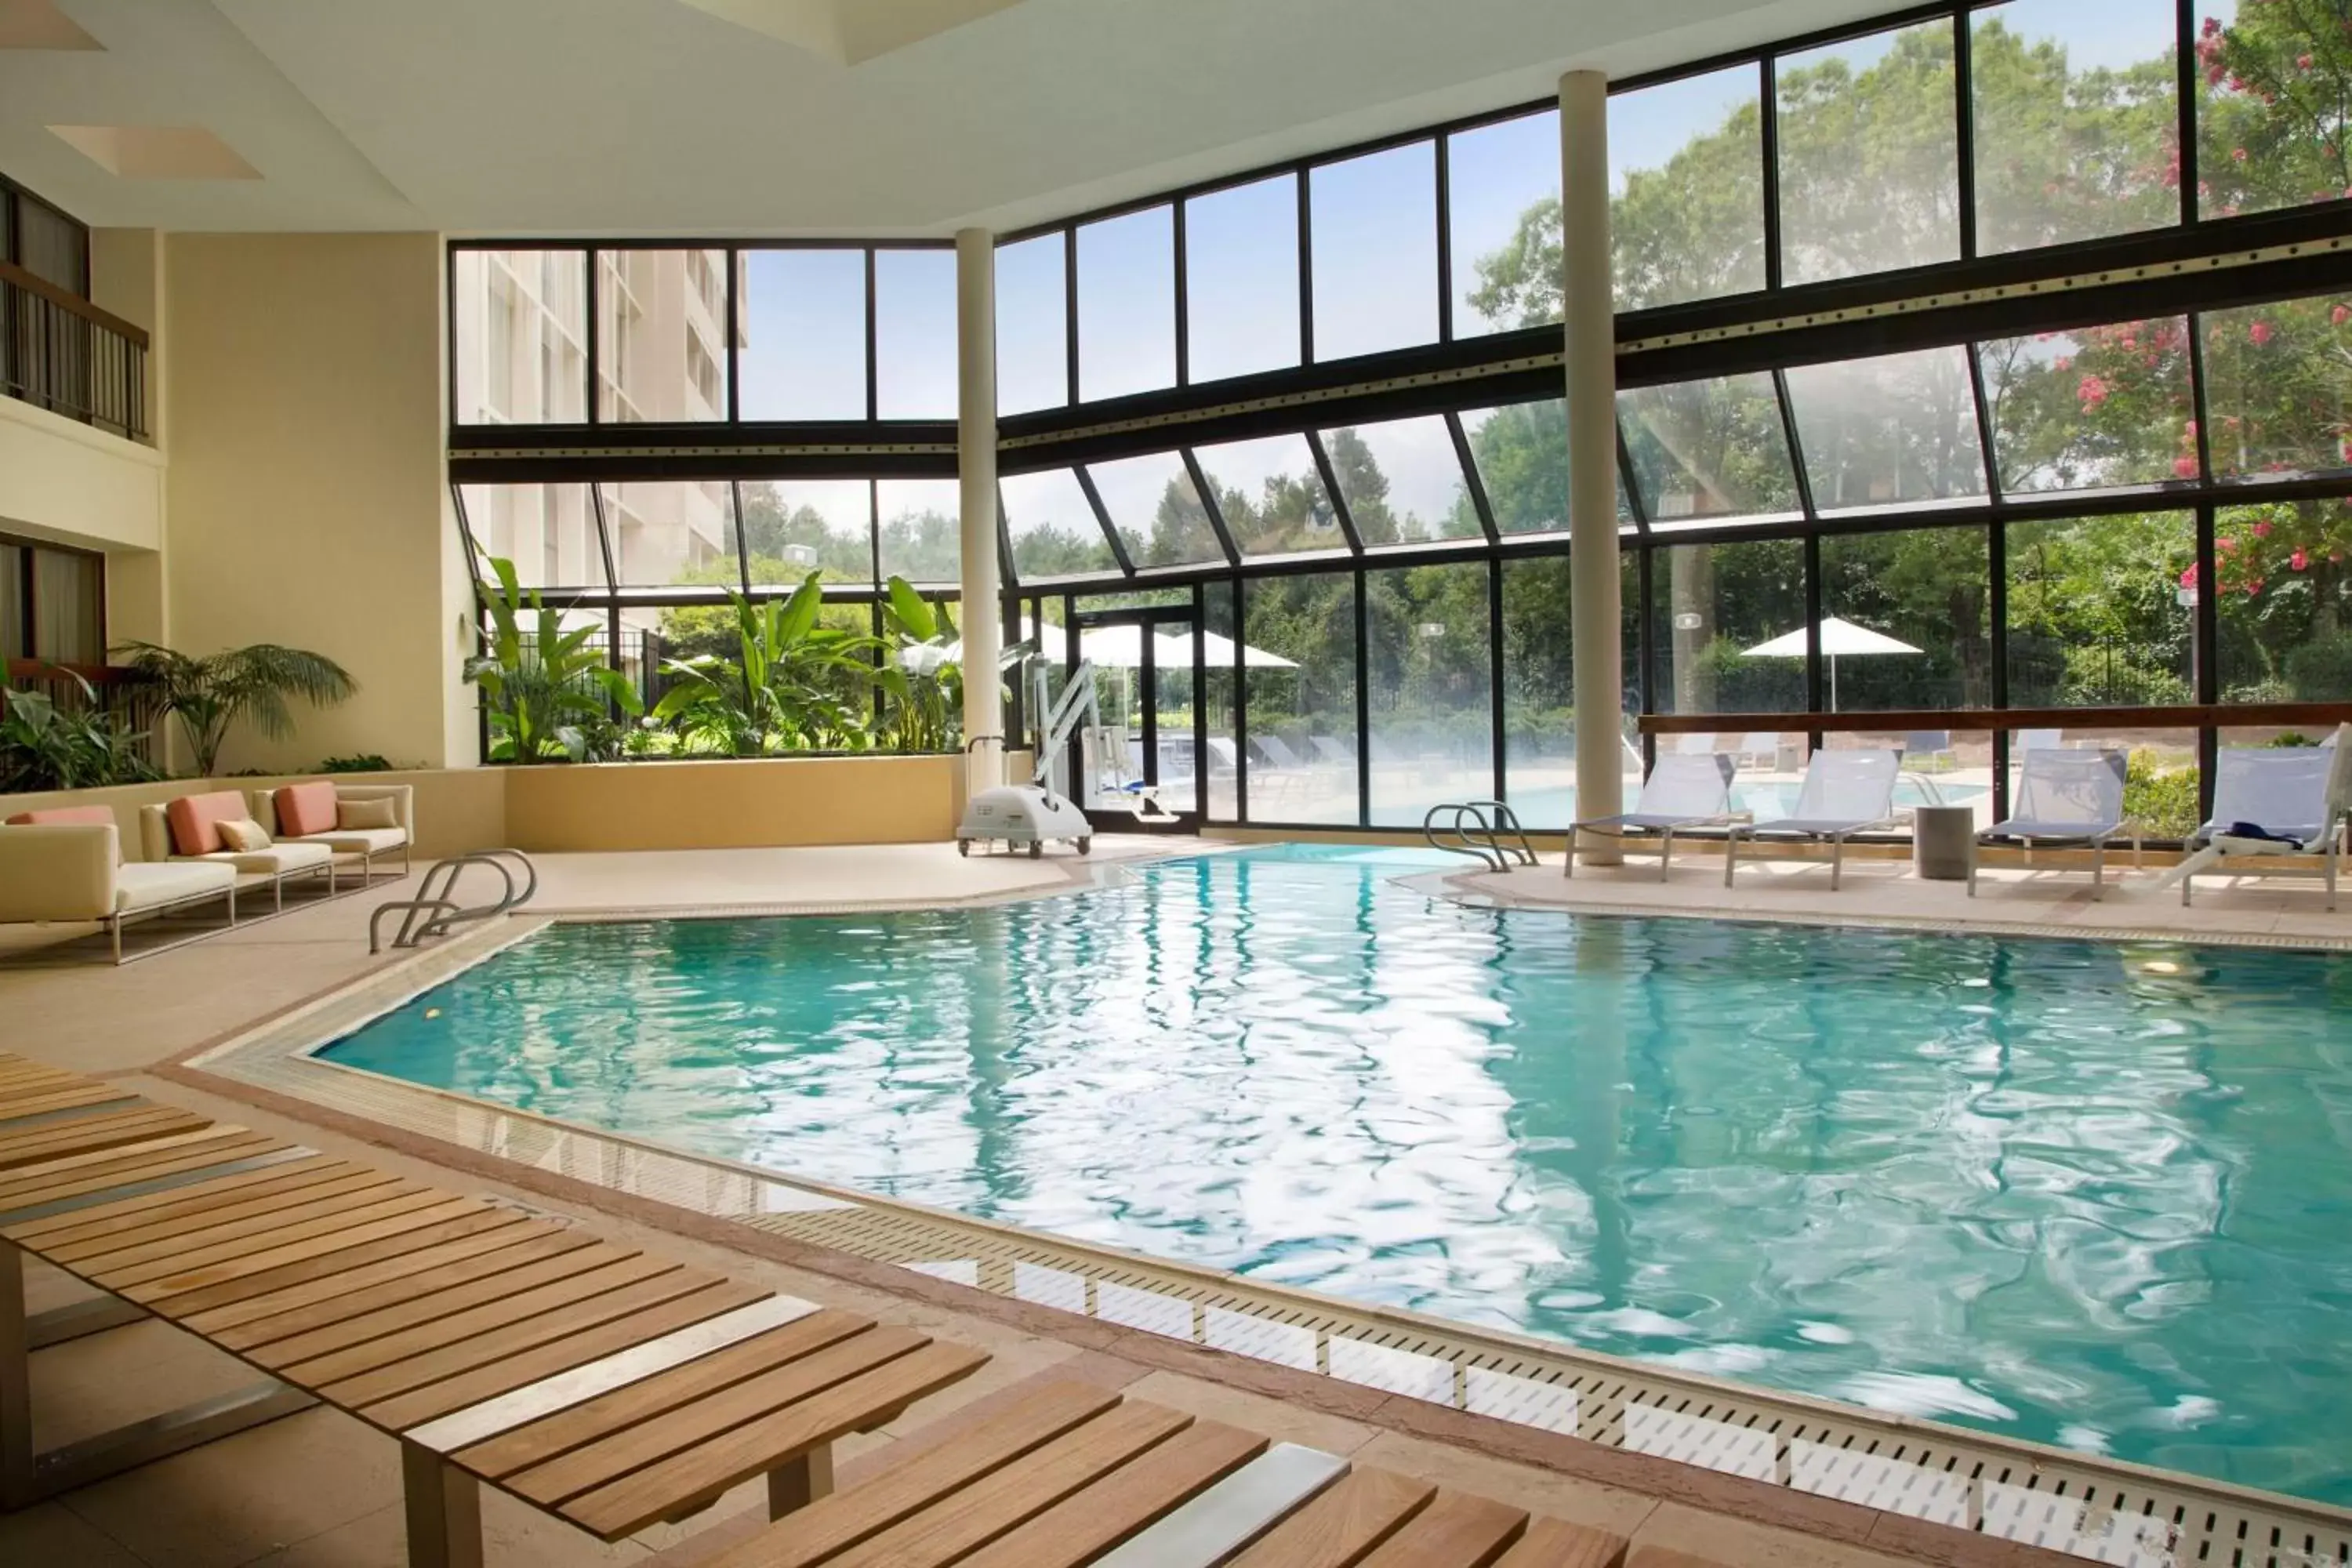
column 209, row 694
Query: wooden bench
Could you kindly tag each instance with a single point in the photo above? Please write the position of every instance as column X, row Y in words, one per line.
column 602, row 1384
column 1075, row 1474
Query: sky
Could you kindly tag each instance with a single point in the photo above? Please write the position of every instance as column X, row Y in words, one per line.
column 1374, row 272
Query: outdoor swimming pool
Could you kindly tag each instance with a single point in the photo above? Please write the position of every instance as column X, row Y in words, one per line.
column 2090, row 1194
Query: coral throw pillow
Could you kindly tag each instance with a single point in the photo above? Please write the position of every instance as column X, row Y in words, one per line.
column 305, row 809
column 196, row 820
column 66, row 816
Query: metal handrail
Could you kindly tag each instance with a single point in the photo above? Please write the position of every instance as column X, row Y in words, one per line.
column 1483, row 847
column 434, row 910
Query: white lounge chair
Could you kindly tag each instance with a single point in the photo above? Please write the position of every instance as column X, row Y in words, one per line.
column 2066, row 797
column 1695, row 745
column 1924, row 744
column 1681, row 791
column 2297, row 797
column 1844, row 793
column 1758, row 749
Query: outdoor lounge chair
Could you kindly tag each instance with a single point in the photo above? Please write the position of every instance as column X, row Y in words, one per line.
column 1758, row 749
column 2066, row 797
column 1695, row 745
column 1844, row 793
column 2295, row 795
column 1681, row 791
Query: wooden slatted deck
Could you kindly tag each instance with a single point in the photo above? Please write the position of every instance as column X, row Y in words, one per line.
column 1074, row 1474
column 614, row 1389
column 608, row 1386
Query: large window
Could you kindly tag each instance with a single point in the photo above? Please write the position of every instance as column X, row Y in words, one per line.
column 1907, row 620
column 1431, row 692
column 1502, row 195
column 1032, row 324
column 795, row 527
column 1127, row 304
column 1271, row 496
column 661, row 336
column 2278, row 388
column 1401, row 481
column 2271, row 114
column 1156, row 507
column 920, row 536
column 1301, row 698
column 522, row 337
column 667, row 532
column 1241, row 279
column 1896, row 431
column 2100, row 611
column 2076, row 120
column 915, row 334
column 1714, row 608
column 1374, row 227
column 2284, row 596
column 1686, row 189
column 1708, row 452
column 803, row 350
column 2097, row 408
column 1053, row 528
column 1870, row 154
column 548, row 532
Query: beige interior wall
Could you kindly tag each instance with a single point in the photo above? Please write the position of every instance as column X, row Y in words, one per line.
column 63, row 481
column 306, row 490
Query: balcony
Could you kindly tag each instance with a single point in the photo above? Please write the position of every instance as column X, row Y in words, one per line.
column 63, row 353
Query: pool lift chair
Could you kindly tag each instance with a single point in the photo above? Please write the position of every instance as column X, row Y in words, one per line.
column 1041, row 811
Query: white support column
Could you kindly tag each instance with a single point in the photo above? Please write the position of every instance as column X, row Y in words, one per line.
column 983, row 617
column 1590, row 315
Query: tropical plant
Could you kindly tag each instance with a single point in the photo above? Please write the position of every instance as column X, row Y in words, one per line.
column 922, row 682
column 549, row 692
column 43, row 747
column 794, row 685
column 209, row 694
column 364, row 763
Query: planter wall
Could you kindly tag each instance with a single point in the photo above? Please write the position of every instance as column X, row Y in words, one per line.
column 752, row 803
column 733, row 804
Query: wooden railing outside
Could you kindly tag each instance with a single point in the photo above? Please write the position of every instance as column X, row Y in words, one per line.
column 61, row 352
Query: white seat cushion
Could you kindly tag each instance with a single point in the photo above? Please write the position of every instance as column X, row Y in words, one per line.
column 275, row 861
column 355, row 840
column 145, row 884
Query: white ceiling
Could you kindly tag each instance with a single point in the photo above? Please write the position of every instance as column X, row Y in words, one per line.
column 665, row 117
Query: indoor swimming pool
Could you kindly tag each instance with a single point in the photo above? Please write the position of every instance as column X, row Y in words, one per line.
column 2092, row 1194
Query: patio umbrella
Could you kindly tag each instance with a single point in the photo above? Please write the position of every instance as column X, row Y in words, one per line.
column 1838, row 637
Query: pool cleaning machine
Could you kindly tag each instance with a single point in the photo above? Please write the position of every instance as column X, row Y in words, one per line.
column 1042, row 811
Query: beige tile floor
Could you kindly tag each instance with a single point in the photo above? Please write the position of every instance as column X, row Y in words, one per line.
column 318, row 1489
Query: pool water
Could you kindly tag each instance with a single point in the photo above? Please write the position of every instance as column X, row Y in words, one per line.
column 2092, row 1194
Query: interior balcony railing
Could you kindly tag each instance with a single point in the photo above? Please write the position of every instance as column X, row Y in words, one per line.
column 61, row 352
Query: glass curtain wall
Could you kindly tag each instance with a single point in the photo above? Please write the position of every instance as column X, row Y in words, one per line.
column 2147, row 510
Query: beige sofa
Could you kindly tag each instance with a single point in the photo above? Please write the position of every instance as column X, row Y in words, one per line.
column 367, row 843
column 276, row 864
column 73, row 871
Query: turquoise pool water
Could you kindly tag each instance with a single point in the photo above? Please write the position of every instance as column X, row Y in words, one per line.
column 2098, row 1196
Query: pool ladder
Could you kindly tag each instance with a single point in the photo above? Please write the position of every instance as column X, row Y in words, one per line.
column 1469, row 829
column 434, row 910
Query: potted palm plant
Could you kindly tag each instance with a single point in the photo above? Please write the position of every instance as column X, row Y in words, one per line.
column 209, row 694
